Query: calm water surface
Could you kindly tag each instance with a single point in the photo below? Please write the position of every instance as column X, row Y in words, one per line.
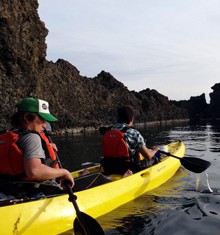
column 187, row 204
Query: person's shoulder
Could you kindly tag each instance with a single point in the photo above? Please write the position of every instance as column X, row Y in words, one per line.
column 129, row 128
column 133, row 131
column 29, row 136
column 29, row 140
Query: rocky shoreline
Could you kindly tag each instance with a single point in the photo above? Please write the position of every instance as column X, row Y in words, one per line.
column 83, row 130
column 82, row 104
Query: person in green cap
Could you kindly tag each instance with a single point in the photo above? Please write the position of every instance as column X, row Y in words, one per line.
column 25, row 152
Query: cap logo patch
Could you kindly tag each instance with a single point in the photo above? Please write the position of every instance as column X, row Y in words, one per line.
column 44, row 106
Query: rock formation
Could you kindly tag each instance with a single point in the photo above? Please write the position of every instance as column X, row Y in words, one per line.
column 78, row 101
column 214, row 107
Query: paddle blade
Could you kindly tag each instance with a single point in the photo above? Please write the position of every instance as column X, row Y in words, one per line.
column 89, row 227
column 195, row 165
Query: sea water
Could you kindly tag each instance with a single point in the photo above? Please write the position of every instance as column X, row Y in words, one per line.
column 188, row 204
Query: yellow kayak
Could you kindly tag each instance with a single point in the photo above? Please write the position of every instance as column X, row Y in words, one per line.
column 56, row 214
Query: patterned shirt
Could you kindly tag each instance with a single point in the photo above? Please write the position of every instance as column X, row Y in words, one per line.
column 132, row 137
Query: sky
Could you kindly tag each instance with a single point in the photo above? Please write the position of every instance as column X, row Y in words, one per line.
column 172, row 46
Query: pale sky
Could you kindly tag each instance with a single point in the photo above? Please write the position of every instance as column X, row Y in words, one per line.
column 172, row 46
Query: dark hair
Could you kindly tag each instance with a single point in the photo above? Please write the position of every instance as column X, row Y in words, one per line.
column 125, row 114
column 17, row 119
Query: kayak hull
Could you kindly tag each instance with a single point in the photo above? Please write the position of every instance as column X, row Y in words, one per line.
column 55, row 215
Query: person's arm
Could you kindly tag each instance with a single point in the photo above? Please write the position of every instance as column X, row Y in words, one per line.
column 148, row 153
column 36, row 170
column 134, row 136
column 31, row 146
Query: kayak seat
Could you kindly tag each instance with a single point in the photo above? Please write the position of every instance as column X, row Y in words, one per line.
column 90, row 181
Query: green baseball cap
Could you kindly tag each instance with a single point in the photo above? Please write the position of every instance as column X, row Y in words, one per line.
column 41, row 107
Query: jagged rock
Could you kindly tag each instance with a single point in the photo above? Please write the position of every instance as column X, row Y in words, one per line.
column 196, row 106
column 78, row 101
column 22, row 52
column 214, row 109
column 155, row 106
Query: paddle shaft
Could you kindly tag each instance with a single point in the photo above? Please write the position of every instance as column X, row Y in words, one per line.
column 57, row 158
column 169, row 154
column 72, row 197
column 82, row 217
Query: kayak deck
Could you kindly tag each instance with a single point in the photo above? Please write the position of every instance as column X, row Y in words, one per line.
column 55, row 215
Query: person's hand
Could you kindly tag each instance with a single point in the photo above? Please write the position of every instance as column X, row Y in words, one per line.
column 155, row 148
column 54, row 146
column 67, row 178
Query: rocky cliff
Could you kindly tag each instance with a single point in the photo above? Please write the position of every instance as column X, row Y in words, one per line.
column 214, row 107
column 78, row 101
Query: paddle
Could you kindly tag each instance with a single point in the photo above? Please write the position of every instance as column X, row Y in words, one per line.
column 83, row 224
column 193, row 164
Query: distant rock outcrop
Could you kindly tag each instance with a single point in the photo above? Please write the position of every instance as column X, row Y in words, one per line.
column 196, row 107
column 78, row 101
column 157, row 107
column 214, row 107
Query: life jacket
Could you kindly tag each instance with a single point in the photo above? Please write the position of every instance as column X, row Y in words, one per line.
column 114, row 144
column 11, row 157
column 51, row 158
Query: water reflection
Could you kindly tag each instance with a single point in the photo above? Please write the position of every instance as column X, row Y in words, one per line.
column 144, row 213
column 175, row 208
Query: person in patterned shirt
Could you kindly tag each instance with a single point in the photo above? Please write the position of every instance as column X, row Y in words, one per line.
column 140, row 157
